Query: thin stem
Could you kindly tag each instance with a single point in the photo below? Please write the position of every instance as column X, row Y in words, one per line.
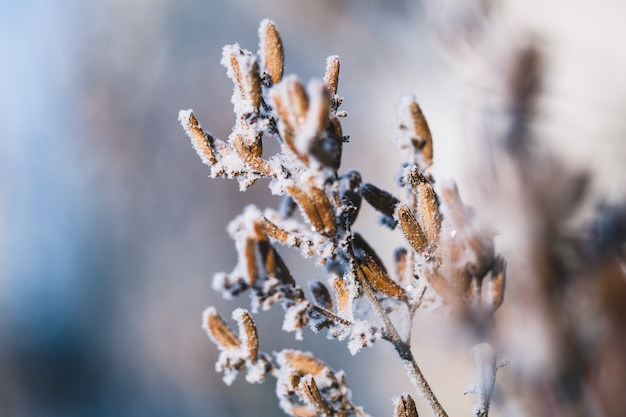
column 403, row 348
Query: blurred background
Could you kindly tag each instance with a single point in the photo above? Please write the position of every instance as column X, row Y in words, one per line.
column 110, row 230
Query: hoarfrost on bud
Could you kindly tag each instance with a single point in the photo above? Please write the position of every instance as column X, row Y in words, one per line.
column 296, row 317
column 363, row 335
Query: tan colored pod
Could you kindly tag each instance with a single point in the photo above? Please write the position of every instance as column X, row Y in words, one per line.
column 311, row 394
column 421, row 130
column 404, row 406
column 271, row 50
column 331, row 77
column 303, row 363
column 218, row 330
column 379, row 279
column 247, row 332
column 411, row 229
column 201, row 141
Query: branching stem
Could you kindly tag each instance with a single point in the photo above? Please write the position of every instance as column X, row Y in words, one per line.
column 402, row 348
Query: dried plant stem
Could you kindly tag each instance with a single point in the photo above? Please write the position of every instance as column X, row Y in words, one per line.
column 402, row 348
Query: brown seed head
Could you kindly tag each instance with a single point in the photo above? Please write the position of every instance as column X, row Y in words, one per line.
column 331, row 78
column 218, row 330
column 202, row 142
column 271, row 50
column 411, row 229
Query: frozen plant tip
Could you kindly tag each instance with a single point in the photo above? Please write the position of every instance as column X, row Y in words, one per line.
column 447, row 256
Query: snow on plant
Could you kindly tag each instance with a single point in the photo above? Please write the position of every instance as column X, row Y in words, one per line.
column 448, row 260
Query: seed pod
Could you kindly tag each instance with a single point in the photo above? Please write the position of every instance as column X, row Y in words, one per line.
column 379, row 280
column 247, row 332
column 250, row 158
column 275, row 232
column 361, row 247
column 321, row 295
column 454, row 204
column 411, row 229
column 403, row 266
column 380, row 199
column 303, row 363
column 342, row 293
column 422, row 131
column 331, row 77
column 428, row 207
column 325, row 209
column 404, row 407
column 243, row 69
column 248, row 257
column 442, row 287
column 493, row 287
column 298, row 99
column 218, row 330
column 271, row 50
column 297, row 410
column 311, row 394
column 202, row 141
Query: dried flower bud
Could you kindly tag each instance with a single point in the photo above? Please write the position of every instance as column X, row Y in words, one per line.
column 411, row 229
column 271, row 50
column 380, row 199
column 430, row 218
column 411, row 120
column 251, row 157
column 218, row 330
column 325, row 210
column 309, row 392
column 301, row 411
column 377, row 277
column 298, row 99
column 443, row 288
column 403, row 267
column 275, row 232
column 493, row 286
column 361, row 248
column 247, row 332
column 202, row 141
column 321, row 295
column 248, row 257
column 242, row 68
column 342, row 293
column 302, row 363
column 404, row 406
column 316, row 209
column 454, row 205
column 331, row 77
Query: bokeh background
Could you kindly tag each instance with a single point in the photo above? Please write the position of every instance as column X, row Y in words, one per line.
column 110, row 230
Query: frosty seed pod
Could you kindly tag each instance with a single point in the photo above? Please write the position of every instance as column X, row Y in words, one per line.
column 242, row 68
column 218, row 330
column 271, row 51
column 202, row 141
column 247, row 332
column 428, row 206
column 321, row 295
column 411, row 229
column 379, row 280
column 404, row 406
column 331, row 77
column 310, row 393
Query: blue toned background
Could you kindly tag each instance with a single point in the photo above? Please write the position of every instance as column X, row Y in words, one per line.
column 110, row 230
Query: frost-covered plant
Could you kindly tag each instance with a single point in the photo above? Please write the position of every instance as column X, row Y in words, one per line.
column 448, row 261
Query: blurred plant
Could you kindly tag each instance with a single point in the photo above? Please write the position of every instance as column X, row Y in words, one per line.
column 448, row 262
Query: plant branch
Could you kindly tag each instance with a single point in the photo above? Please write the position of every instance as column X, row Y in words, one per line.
column 402, row 348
